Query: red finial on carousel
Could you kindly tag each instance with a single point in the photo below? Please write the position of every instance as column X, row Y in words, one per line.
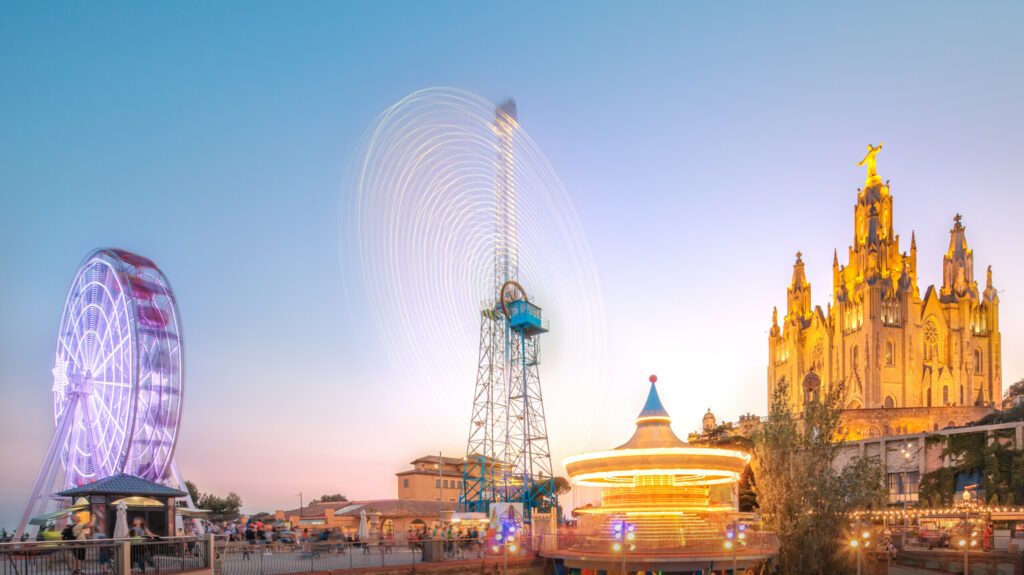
column 653, row 378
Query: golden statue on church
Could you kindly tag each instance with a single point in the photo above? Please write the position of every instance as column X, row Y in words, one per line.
column 869, row 160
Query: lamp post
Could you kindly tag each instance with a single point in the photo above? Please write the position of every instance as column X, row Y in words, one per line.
column 735, row 535
column 624, row 533
column 908, row 452
column 969, row 539
column 858, row 544
column 440, row 494
column 507, row 537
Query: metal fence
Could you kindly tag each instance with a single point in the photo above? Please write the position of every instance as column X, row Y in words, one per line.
column 105, row 557
column 241, row 558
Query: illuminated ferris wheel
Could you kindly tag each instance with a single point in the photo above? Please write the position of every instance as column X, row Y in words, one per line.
column 117, row 377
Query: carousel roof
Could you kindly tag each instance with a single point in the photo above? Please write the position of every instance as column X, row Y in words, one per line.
column 654, row 449
column 123, row 484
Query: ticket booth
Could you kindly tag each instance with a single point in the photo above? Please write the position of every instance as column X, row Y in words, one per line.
column 153, row 502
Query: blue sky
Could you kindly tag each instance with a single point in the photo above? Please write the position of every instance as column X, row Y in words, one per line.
column 702, row 144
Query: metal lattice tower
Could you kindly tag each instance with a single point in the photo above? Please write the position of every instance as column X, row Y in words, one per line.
column 507, row 455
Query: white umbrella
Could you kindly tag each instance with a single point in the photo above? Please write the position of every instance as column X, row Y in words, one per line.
column 121, row 525
column 363, row 534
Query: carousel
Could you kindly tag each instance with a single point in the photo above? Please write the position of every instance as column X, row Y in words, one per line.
column 664, row 505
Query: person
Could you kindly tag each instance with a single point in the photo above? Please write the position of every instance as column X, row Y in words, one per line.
column 76, row 530
column 139, row 552
column 250, row 541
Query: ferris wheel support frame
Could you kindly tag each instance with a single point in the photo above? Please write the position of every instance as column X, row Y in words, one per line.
column 47, row 477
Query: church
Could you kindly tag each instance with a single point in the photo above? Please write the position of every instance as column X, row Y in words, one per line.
column 911, row 363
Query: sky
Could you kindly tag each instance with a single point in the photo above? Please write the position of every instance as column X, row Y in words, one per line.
column 702, row 145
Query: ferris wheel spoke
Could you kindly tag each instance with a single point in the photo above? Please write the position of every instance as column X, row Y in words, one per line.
column 112, row 384
column 113, row 420
column 110, row 355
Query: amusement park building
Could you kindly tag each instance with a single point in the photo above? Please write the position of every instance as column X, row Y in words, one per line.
column 432, row 478
column 910, row 363
column 426, row 492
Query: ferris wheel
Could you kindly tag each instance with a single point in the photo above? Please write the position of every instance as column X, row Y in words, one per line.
column 117, row 377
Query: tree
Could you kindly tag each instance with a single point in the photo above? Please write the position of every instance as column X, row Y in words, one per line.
column 562, row 485
column 230, row 505
column 193, row 491
column 335, row 498
column 800, row 494
column 1015, row 389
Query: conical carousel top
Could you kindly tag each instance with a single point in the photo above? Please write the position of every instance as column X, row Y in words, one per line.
column 654, row 450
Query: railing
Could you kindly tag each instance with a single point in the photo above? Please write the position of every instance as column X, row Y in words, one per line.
column 105, row 556
column 262, row 558
column 602, row 543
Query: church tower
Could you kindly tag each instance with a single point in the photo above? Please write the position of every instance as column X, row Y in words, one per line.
column 896, row 351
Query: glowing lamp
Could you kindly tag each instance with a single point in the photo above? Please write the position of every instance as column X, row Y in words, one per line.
column 854, row 543
column 617, row 547
column 728, row 535
column 962, row 543
column 728, row 544
column 497, row 536
column 512, row 548
column 630, row 536
column 865, row 535
column 495, row 548
column 742, row 535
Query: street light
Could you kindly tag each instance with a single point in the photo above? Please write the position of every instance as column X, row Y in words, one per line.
column 735, row 535
column 507, row 538
column 908, row 451
column 859, row 544
column 970, row 539
column 624, row 533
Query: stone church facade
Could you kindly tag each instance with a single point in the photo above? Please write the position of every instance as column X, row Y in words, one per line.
column 911, row 363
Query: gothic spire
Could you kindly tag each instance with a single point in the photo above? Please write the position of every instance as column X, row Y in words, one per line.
column 958, row 263
column 991, row 295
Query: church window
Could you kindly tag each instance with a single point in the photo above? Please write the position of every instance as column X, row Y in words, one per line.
column 979, row 361
column 931, row 340
column 890, row 353
column 890, row 402
column 818, row 359
column 928, row 398
column 961, row 395
column 945, row 395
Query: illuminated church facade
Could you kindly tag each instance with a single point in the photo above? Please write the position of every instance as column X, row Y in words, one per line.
column 911, row 363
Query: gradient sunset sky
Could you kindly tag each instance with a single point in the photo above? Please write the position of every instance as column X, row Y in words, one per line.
column 702, row 145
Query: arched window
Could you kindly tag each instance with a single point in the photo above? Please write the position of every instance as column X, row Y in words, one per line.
column 387, row 527
column 890, row 353
column 935, row 427
column 945, row 395
column 979, row 361
column 961, row 395
column 890, row 402
column 931, row 340
column 928, row 398
column 874, row 432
